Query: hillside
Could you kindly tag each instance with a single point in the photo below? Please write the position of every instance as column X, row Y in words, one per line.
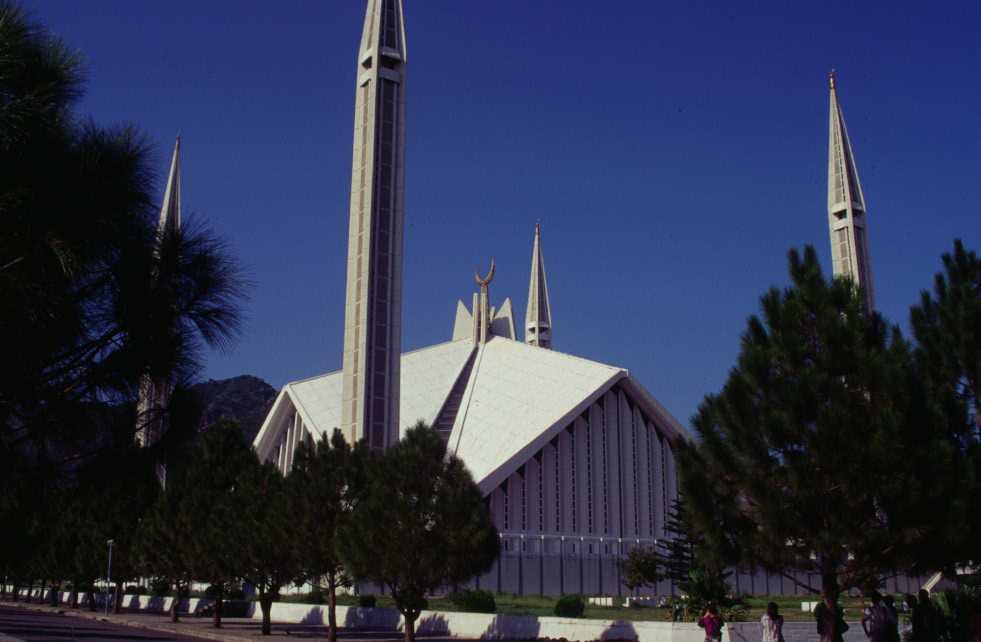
column 245, row 399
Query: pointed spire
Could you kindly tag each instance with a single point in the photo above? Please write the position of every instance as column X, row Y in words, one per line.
column 843, row 184
column 846, row 204
column 538, row 319
column 170, row 211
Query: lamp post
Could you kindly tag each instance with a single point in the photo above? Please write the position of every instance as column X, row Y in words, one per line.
column 109, row 542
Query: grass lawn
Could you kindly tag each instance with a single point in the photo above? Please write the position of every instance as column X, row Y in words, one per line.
column 790, row 607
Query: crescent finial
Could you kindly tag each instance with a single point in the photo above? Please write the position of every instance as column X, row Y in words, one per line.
column 485, row 281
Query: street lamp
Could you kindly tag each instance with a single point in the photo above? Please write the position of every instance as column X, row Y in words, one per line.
column 109, row 542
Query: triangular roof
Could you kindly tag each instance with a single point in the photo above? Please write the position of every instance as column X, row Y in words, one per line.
column 517, row 398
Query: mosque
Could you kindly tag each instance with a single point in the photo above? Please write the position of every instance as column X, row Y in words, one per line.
column 575, row 457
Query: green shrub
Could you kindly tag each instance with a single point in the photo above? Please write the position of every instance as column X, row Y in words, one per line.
column 315, row 596
column 235, row 593
column 135, row 589
column 570, row 606
column 367, row 601
column 475, row 601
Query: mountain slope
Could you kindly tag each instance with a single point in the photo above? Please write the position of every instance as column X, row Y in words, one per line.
column 245, row 398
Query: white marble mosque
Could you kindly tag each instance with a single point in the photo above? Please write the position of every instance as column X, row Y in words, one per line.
column 574, row 456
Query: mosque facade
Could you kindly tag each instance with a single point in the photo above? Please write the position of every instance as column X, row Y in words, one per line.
column 576, row 458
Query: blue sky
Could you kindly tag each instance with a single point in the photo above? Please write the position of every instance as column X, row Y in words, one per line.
column 673, row 151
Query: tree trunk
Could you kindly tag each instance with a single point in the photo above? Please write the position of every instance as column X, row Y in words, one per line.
column 91, row 596
column 331, row 608
column 118, row 605
column 55, row 593
column 410, row 625
column 174, row 614
column 15, row 591
column 829, row 584
column 218, row 604
column 3, row 587
column 73, row 596
column 831, row 590
column 265, row 603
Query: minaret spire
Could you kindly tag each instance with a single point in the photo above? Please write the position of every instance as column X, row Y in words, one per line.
column 538, row 319
column 170, row 210
column 154, row 394
column 373, row 309
column 846, row 205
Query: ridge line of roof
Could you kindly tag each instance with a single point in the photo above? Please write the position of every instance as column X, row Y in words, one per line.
column 566, row 354
column 334, row 372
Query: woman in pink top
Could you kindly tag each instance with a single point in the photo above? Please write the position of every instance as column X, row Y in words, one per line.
column 712, row 623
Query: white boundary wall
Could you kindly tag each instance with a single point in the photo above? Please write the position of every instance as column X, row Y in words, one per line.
column 489, row 625
column 468, row 625
column 148, row 603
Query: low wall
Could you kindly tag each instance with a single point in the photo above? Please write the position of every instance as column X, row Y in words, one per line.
column 448, row 623
column 488, row 625
column 145, row 603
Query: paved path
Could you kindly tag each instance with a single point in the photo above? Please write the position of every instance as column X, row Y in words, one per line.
column 37, row 623
column 22, row 625
column 792, row 632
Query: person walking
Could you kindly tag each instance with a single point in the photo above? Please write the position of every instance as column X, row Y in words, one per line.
column 925, row 621
column 830, row 620
column 712, row 622
column 875, row 619
column 771, row 624
column 892, row 619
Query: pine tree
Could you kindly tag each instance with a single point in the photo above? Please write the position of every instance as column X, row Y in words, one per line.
column 163, row 538
column 818, row 454
column 215, row 499
column 682, row 558
column 324, row 484
column 267, row 539
column 947, row 328
column 420, row 525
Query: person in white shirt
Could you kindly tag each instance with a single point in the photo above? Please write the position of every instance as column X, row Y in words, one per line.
column 771, row 624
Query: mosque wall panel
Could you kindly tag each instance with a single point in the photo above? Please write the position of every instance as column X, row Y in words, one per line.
column 611, row 452
column 592, row 584
column 550, row 489
column 552, row 573
column 534, row 491
column 629, row 511
column 645, row 477
column 671, row 475
column 657, row 453
column 609, row 571
column 513, row 503
column 567, row 477
column 584, row 477
column 597, row 501
column 510, row 577
column 571, row 577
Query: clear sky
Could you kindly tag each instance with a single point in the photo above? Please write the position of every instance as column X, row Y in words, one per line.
column 673, row 151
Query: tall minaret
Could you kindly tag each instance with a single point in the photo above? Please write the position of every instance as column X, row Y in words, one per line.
column 373, row 309
column 155, row 394
column 538, row 318
column 846, row 206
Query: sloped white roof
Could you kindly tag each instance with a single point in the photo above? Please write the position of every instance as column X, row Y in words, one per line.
column 519, row 396
column 427, row 375
column 516, row 399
